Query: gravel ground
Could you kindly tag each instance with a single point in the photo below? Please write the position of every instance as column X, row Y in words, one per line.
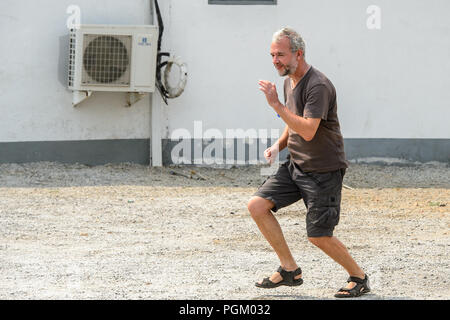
column 132, row 232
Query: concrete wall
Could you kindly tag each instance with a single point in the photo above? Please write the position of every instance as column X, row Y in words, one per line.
column 35, row 104
column 392, row 83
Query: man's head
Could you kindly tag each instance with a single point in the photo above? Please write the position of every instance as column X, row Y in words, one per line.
column 287, row 51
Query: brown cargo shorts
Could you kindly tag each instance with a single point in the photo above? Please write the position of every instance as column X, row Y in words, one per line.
column 321, row 193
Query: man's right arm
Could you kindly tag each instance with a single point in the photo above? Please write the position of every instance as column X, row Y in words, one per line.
column 283, row 140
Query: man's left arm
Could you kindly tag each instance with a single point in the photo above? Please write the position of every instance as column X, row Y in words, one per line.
column 304, row 126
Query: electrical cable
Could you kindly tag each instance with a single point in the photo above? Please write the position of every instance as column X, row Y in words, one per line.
column 166, row 91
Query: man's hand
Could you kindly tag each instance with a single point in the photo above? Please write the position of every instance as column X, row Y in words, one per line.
column 270, row 90
column 271, row 153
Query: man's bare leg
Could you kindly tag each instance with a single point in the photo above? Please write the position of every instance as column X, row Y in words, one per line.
column 270, row 228
column 339, row 253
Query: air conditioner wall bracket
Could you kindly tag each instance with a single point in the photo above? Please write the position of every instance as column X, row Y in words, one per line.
column 79, row 96
column 133, row 97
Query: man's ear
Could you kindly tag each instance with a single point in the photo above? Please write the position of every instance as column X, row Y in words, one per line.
column 300, row 54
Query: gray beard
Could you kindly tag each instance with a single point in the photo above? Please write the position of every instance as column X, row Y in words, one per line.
column 284, row 72
column 287, row 70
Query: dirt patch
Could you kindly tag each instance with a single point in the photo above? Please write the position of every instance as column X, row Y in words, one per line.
column 133, row 232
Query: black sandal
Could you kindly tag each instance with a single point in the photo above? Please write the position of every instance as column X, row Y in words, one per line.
column 362, row 286
column 288, row 279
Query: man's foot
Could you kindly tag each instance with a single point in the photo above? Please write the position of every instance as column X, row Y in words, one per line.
column 356, row 287
column 276, row 277
column 282, row 277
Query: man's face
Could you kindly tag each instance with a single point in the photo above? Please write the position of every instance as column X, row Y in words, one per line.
column 284, row 60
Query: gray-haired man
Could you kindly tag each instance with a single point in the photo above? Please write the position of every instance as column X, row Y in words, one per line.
column 314, row 171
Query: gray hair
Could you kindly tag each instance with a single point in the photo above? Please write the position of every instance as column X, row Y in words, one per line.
column 297, row 42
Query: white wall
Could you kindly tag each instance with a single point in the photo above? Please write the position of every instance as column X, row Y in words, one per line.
column 34, row 102
column 391, row 83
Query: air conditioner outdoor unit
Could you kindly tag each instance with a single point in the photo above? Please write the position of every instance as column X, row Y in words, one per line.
column 112, row 58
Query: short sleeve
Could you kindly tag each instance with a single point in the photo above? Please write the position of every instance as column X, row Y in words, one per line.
column 317, row 102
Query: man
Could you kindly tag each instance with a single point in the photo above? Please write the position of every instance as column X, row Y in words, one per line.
column 314, row 170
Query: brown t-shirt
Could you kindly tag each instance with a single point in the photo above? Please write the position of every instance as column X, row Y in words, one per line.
column 315, row 97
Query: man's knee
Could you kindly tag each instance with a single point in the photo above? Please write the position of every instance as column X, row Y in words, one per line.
column 258, row 206
column 319, row 241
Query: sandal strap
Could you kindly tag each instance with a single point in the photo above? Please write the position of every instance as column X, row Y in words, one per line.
column 362, row 286
column 353, row 292
column 356, row 289
column 266, row 281
column 357, row 280
column 289, row 275
column 346, row 289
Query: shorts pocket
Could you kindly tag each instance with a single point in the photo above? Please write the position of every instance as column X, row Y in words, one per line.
column 325, row 217
column 324, row 212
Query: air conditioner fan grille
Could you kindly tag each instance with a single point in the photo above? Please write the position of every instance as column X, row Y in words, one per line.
column 106, row 59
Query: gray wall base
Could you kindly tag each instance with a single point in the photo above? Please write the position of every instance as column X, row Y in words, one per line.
column 91, row 152
column 98, row 152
